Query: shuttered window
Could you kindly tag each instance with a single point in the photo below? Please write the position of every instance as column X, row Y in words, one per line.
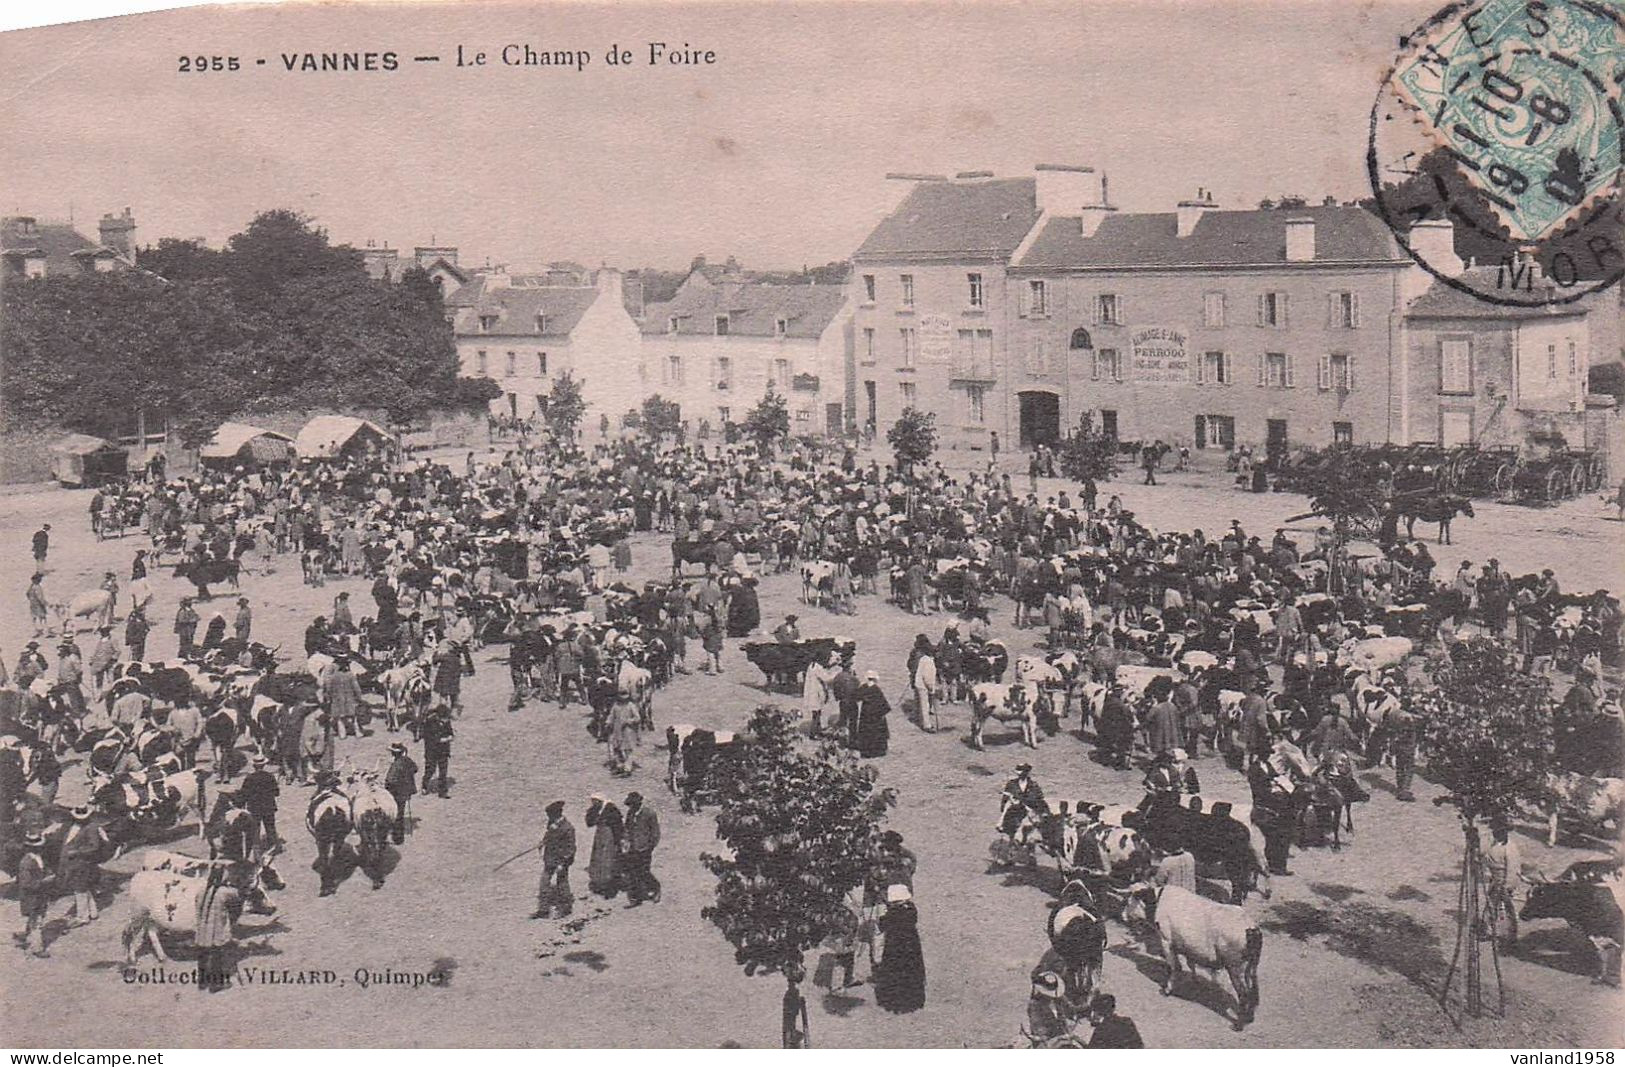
column 1455, row 365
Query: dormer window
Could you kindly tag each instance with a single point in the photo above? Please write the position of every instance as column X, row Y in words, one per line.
column 671, row 324
column 541, row 322
column 781, row 327
column 722, row 325
column 487, row 323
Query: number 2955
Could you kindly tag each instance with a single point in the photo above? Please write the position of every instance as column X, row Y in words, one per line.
column 204, row 64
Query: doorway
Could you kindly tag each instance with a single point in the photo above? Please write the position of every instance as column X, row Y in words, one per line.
column 870, row 421
column 1040, row 419
column 1274, row 442
column 834, row 420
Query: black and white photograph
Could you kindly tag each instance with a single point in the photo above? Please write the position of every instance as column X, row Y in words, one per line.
column 813, row 524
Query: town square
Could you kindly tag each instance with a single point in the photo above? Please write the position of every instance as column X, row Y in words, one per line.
column 1080, row 611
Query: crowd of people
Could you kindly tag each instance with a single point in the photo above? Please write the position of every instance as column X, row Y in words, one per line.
column 532, row 550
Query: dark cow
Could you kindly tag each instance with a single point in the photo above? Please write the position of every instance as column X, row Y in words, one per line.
column 205, row 573
column 785, row 663
column 1589, row 907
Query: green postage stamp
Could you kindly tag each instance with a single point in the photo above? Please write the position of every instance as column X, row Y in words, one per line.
column 1525, row 94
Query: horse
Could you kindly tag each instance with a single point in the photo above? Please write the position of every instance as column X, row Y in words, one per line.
column 328, row 821
column 370, row 815
column 1441, row 508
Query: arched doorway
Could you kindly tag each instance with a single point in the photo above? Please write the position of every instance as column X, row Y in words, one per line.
column 1040, row 418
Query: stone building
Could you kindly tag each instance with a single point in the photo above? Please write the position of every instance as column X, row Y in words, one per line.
column 720, row 342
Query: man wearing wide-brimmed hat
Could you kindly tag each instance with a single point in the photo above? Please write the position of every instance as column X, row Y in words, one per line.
column 401, row 782
column 82, row 849
column 33, row 892
column 258, row 795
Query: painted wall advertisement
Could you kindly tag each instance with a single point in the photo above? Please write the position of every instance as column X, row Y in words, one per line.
column 1159, row 355
column 936, row 333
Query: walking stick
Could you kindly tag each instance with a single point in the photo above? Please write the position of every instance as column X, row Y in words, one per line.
column 510, row 859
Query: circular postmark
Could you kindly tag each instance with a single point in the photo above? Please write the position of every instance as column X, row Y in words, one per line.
column 1503, row 117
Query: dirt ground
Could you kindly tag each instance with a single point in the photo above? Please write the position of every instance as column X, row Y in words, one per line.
column 1356, row 946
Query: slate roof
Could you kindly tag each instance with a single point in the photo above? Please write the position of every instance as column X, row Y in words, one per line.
column 1443, row 301
column 1220, row 239
column 961, row 218
column 753, row 310
column 516, row 308
column 58, row 240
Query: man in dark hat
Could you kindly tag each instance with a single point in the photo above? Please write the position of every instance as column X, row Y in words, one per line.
column 558, row 848
column 1022, row 798
column 437, row 735
column 401, row 781
column 30, row 665
column 258, row 794
column 136, row 629
column 82, row 849
column 642, row 836
column 787, row 632
column 1111, row 1029
column 34, row 884
column 344, row 698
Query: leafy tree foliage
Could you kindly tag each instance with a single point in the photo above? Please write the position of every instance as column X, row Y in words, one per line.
column 565, row 406
column 1489, row 732
column 799, row 826
column 768, row 423
column 913, row 437
column 1339, row 492
column 661, row 416
column 1089, row 455
column 280, row 319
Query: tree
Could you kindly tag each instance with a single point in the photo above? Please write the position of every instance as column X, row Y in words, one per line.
column 1089, row 455
column 799, row 827
column 1489, row 735
column 565, row 406
column 768, row 423
column 279, row 320
column 913, row 437
column 661, row 417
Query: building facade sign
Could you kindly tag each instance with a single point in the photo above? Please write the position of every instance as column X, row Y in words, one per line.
column 936, row 339
column 1159, row 355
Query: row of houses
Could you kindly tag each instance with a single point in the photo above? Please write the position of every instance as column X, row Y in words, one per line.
column 1013, row 307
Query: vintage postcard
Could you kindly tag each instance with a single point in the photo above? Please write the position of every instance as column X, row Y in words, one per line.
column 814, row 525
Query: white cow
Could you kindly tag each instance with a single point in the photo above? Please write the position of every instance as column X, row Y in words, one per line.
column 1206, row 933
column 164, row 894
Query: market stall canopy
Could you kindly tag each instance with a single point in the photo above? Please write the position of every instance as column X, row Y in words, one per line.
column 238, row 439
column 80, row 444
column 327, row 436
column 82, row 460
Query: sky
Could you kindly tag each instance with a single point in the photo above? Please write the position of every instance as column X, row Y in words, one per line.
column 776, row 153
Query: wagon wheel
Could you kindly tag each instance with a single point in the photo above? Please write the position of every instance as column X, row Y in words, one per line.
column 1501, row 481
column 1556, row 484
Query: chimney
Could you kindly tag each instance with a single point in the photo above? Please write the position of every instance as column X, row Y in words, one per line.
column 1064, row 188
column 1300, row 240
column 970, row 175
column 1434, row 240
column 632, row 297
column 118, row 232
column 609, row 284
column 1191, row 211
column 497, row 279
